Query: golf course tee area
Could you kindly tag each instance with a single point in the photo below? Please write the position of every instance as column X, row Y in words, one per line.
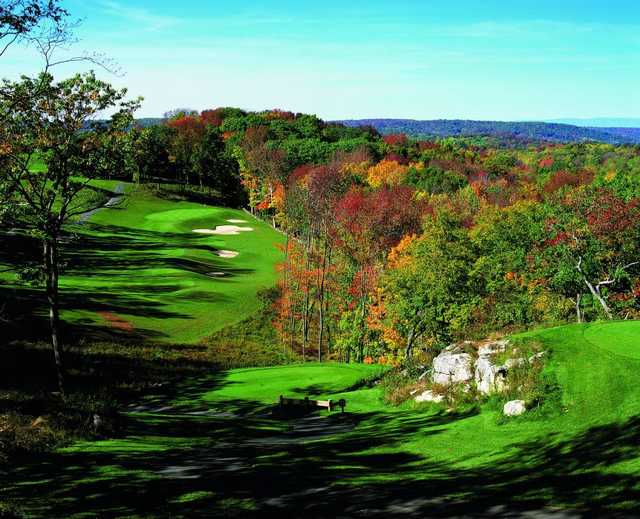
column 217, row 447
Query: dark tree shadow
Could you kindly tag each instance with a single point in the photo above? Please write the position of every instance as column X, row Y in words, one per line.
column 104, row 250
column 234, row 458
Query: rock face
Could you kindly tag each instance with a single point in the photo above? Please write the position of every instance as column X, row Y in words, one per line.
column 514, row 408
column 452, row 366
column 490, row 377
column 429, row 396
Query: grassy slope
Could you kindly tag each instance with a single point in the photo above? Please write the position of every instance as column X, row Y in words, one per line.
column 141, row 262
column 231, row 456
column 166, row 265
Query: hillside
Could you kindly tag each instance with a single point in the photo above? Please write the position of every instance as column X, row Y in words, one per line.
column 601, row 122
column 526, row 131
column 215, row 446
column 624, row 132
column 570, row 131
column 136, row 269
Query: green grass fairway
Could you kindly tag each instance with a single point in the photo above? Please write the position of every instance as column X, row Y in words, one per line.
column 137, row 269
column 264, row 385
column 216, row 449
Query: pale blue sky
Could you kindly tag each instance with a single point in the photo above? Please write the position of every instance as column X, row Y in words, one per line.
column 510, row 60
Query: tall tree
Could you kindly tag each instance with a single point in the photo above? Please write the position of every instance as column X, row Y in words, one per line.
column 217, row 169
column 49, row 120
column 426, row 285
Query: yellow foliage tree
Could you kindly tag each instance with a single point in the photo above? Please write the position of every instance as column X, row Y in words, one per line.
column 386, row 173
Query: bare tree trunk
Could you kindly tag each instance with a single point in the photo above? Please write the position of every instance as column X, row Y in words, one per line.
column 305, row 309
column 292, row 326
column 291, row 301
column 51, row 273
column 409, row 345
column 363, row 306
column 273, row 216
column 326, row 309
column 578, row 310
column 321, row 302
column 286, row 294
column 596, row 293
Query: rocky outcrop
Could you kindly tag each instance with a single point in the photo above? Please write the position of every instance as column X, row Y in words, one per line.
column 514, row 408
column 489, row 348
column 455, row 366
column 452, row 366
column 490, row 377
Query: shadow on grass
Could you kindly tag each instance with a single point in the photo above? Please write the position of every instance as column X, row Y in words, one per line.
column 25, row 310
column 238, row 460
column 119, row 253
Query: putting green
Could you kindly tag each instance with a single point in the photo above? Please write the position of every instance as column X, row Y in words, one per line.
column 265, row 385
column 625, row 341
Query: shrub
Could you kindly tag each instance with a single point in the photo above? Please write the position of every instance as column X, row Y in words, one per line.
column 397, row 386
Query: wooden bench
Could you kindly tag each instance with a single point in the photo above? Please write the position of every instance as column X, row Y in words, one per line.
column 309, row 404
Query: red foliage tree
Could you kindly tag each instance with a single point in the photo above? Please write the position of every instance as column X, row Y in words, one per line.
column 369, row 224
column 213, row 117
column 396, row 139
column 561, row 179
column 611, row 218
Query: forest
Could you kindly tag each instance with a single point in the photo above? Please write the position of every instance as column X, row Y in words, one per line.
column 541, row 234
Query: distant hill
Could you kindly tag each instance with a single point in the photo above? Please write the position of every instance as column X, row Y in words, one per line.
column 523, row 131
column 149, row 121
column 628, row 133
column 527, row 131
column 600, row 122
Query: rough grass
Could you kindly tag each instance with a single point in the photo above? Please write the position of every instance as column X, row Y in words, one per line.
column 215, row 446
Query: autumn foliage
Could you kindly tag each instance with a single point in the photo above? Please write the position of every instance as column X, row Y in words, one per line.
column 396, row 245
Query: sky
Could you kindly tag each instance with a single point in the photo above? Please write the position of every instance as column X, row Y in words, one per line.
column 419, row 59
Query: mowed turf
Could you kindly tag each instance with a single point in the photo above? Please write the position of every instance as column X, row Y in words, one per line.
column 217, row 449
column 138, row 269
column 265, row 385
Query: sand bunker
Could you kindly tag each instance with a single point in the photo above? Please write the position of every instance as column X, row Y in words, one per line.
column 227, row 253
column 218, row 274
column 224, row 230
column 236, row 221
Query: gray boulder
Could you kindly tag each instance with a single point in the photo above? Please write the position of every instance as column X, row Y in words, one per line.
column 429, row 396
column 489, row 377
column 452, row 366
column 514, row 408
column 492, row 347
